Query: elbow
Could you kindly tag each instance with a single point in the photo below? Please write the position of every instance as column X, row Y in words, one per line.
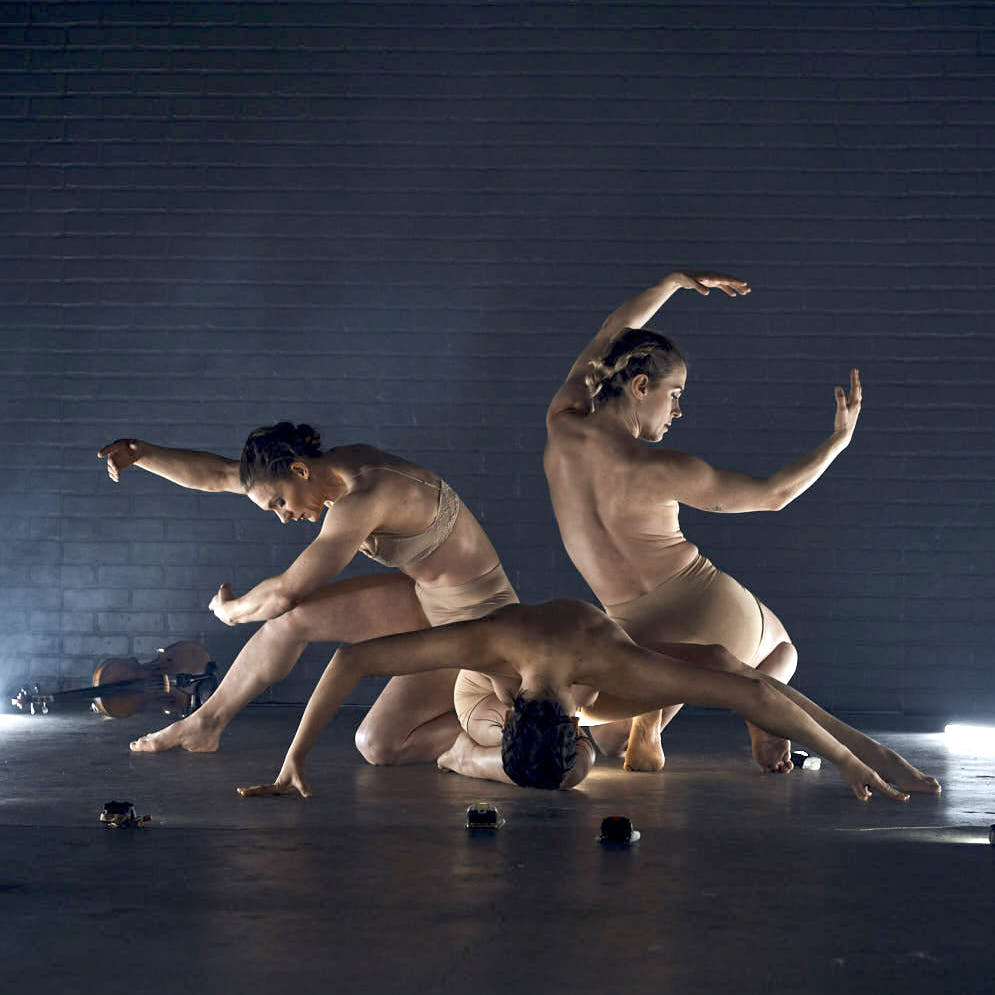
column 776, row 499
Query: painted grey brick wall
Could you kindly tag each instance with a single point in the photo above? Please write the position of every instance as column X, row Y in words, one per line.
column 401, row 221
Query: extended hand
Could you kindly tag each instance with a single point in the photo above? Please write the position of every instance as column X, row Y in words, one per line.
column 289, row 780
column 864, row 782
column 219, row 602
column 119, row 455
column 703, row 282
column 848, row 408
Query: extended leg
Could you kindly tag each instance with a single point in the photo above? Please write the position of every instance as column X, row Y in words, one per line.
column 344, row 611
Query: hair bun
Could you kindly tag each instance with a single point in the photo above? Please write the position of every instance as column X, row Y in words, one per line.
column 269, row 451
column 308, row 437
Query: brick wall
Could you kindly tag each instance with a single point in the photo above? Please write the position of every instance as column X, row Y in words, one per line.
column 401, row 221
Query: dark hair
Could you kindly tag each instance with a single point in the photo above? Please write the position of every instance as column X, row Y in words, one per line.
column 269, row 451
column 539, row 743
column 635, row 351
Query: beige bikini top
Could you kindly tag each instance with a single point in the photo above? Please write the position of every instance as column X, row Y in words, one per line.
column 402, row 550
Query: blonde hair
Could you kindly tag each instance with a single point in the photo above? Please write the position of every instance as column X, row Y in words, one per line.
column 635, row 351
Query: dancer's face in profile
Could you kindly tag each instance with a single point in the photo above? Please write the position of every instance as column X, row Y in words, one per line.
column 660, row 405
column 294, row 498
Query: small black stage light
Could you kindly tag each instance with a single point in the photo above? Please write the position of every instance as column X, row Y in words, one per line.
column 617, row 830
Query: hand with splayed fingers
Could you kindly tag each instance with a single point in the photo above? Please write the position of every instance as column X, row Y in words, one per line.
column 289, row 780
column 704, row 282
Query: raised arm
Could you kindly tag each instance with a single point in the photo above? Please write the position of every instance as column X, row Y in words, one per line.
column 573, row 396
column 694, row 482
column 448, row 646
column 199, row 471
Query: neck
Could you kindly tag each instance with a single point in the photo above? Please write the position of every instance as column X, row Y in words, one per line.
column 622, row 415
column 330, row 475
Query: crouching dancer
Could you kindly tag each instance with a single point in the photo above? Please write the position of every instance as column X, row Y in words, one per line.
column 553, row 663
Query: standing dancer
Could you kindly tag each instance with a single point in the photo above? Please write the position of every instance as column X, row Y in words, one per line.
column 370, row 502
column 617, row 500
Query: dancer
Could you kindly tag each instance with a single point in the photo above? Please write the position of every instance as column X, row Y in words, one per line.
column 617, row 500
column 565, row 659
column 368, row 501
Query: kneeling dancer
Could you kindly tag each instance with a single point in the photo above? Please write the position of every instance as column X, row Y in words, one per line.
column 367, row 501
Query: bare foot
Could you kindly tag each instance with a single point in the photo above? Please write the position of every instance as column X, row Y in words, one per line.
column 772, row 753
column 644, row 753
column 896, row 769
column 457, row 756
column 191, row 733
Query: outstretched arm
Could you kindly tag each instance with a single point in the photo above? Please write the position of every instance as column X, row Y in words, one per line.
column 694, row 482
column 634, row 313
column 337, row 682
column 445, row 647
column 199, row 471
column 642, row 681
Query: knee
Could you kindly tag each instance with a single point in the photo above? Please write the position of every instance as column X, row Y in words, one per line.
column 782, row 662
column 287, row 626
column 375, row 746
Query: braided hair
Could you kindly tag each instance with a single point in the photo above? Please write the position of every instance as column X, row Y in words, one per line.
column 635, row 351
column 539, row 743
column 269, row 451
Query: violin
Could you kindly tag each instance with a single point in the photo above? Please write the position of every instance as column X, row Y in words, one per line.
column 180, row 679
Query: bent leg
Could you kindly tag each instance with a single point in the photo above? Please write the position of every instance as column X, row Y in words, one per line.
column 412, row 721
column 779, row 660
column 343, row 611
column 716, row 609
column 477, row 749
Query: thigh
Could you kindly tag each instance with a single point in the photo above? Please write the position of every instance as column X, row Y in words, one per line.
column 350, row 611
column 412, row 700
column 724, row 613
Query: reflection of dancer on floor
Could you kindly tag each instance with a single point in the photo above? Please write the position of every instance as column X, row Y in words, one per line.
column 617, row 501
column 553, row 662
column 368, row 501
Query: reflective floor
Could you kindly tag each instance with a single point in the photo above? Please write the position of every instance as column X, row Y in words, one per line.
column 742, row 882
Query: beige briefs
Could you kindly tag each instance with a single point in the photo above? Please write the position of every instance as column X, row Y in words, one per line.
column 475, row 599
column 698, row 605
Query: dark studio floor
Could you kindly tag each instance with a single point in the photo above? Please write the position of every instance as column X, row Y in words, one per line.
column 741, row 883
